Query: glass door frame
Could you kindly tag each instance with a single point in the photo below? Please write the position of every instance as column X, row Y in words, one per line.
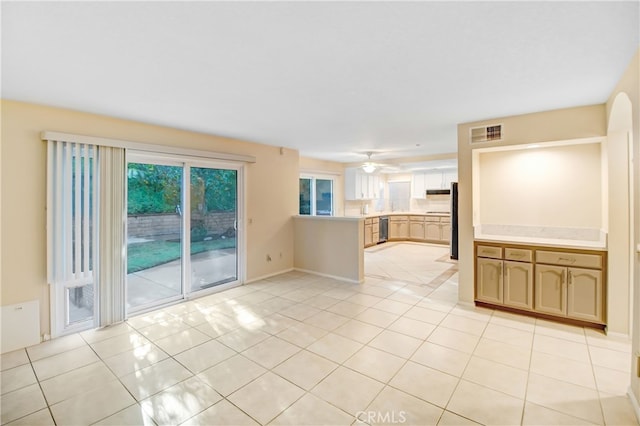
column 186, row 162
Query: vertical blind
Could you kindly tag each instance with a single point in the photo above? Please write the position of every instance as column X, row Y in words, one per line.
column 111, row 264
column 71, row 213
column 85, row 228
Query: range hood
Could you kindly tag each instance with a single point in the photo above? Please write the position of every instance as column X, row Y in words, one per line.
column 438, row 192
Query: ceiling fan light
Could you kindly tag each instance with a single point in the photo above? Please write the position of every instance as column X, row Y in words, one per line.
column 368, row 168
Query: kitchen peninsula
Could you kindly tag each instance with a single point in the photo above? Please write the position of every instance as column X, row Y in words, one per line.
column 341, row 239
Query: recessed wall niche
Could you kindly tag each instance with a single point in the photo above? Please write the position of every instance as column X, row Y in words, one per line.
column 548, row 192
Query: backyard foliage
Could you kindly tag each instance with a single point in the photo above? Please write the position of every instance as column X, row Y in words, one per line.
column 157, row 189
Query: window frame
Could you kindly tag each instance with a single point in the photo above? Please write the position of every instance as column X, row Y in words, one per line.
column 313, row 196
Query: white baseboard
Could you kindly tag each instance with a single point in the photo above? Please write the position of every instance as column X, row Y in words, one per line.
column 635, row 403
column 335, row 277
column 264, row 277
column 619, row 335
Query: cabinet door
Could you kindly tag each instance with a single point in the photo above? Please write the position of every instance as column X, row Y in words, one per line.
column 353, row 189
column 362, row 182
column 375, row 187
column 448, row 177
column 445, row 233
column 518, row 284
column 418, row 186
column 584, row 298
column 416, row 230
column 433, row 180
column 550, row 289
column 394, row 230
column 368, row 235
column 403, row 229
column 489, row 280
column 432, row 231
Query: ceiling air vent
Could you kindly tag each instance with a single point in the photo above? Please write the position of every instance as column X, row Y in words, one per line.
column 486, row 133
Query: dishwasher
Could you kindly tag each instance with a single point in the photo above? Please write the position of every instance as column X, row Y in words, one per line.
column 384, row 229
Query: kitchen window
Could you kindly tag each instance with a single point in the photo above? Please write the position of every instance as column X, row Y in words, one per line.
column 316, row 196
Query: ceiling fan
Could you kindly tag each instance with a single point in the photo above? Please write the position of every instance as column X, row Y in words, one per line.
column 370, row 167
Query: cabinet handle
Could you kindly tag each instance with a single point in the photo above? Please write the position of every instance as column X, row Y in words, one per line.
column 570, row 278
column 567, row 259
column 564, row 276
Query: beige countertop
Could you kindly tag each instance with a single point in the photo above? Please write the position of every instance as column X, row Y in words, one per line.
column 378, row 214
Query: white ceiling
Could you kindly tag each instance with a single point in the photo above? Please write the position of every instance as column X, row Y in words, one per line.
column 332, row 79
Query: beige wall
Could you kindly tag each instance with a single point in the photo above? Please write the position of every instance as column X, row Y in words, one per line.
column 330, row 246
column 628, row 91
column 543, row 186
column 271, row 192
column 565, row 124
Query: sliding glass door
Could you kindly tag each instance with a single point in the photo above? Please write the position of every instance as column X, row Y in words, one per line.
column 182, row 229
column 214, row 226
column 154, row 234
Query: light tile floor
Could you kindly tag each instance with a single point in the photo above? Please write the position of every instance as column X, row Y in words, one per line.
column 300, row 349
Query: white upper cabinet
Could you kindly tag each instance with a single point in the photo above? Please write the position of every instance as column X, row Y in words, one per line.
column 360, row 186
column 418, row 185
column 448, row 177
column 432, row 179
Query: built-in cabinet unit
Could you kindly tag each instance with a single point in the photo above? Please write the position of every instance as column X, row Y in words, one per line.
column 423, row 228
column 371, row 231
column 574, row 291
column 433, row 229
column 398, row 227
column 432, row 179
column 359, row 185
column 437, row 229
column 416, row 227
column 559, row 282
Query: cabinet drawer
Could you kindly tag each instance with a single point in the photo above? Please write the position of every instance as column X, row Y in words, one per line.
column 416, row 219
column 432, row 218
column 569, row 259
column 489, row 251
column 398, row 218
column 522, row 255
column 368, row 221
column 445, row 219
column 375, row 221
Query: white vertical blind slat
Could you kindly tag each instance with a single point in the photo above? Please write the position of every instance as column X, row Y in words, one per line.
column 66, row 212
column 111, row 238
column 86, row 219
column 77, row 211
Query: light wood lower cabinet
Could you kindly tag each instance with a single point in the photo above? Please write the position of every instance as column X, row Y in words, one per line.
column 489, row 280
column 505, row 282
column 551, row 292
column 416, row 229
column 371, row 231
column 584, row 294
column 398, row 227
column 518, row 284
column 537, row 280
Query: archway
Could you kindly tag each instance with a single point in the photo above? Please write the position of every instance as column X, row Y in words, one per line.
column 620, row 215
